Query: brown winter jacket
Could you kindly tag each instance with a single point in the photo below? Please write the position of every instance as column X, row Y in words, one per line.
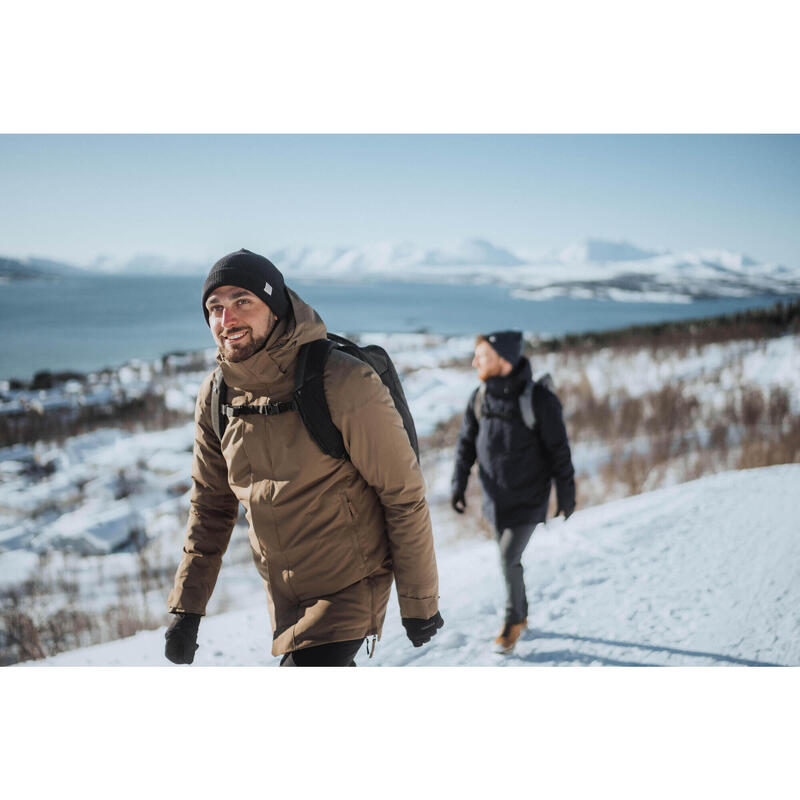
column 327, row 535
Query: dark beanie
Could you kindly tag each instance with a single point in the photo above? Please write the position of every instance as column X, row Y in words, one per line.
column 507, row 344
column 252, row 272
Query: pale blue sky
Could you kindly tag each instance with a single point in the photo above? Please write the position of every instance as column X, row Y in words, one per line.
column 197, row 197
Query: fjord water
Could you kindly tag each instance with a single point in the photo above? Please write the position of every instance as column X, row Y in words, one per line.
column 86, row 323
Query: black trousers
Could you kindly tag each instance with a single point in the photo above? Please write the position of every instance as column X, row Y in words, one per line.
column 335, row 654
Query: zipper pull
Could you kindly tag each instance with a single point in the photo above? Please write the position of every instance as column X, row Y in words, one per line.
column 373, row 646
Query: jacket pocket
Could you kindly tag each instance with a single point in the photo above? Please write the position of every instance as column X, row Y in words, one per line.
column 351, row 525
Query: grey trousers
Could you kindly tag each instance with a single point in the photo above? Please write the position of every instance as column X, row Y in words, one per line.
column 512, row 542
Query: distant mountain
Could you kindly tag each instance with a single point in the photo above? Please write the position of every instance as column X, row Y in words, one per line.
column 12, row 269
column 593, row 268
column 394, row 261
column 146, row 264
column 598, row 250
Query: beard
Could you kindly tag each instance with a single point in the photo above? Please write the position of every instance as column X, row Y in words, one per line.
column 484, row 373
column 241, row 349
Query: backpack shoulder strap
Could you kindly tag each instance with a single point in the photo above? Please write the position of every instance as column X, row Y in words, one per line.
column 477, row 401
column 546, row 379
column 526, row 405
column 309, row 396
column 219, row 395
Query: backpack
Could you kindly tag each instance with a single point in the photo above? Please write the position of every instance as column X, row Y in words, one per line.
column 525, row 399
column 309, row 394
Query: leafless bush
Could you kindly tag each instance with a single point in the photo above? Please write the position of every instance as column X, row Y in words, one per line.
column 671, row 410
column 67, row 629
column 778, row 406
column 20, row 638
column 628, row 417
column 752, row 407
column 783, row 447
column 718, row 438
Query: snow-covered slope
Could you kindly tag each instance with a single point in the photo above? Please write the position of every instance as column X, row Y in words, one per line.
column 700, row 574
column 593, row 268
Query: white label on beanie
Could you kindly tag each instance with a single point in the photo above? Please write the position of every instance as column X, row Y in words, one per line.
column 268, row 289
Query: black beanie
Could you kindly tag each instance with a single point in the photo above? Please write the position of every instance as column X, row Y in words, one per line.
column 507, row 344
column 252, row 272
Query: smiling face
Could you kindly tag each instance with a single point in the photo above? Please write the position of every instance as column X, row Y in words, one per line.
column 488, row 363
column 240, row 322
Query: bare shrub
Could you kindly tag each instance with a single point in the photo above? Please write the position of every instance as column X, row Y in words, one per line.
column 21, row 635
column 66, row 629
column 778, row 406
column 753, row 407
column 122, row 620
column 718, row 438
column 759, row 450
column 629, row 417
column 671, row 408
column 589, row 416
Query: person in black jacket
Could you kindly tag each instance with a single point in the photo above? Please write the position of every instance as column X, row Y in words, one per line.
column 516, row 463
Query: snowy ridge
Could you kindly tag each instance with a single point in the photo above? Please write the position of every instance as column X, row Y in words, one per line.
column 594, row 268
column 698, row 574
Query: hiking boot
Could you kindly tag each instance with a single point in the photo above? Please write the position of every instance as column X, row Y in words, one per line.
column 509, row 635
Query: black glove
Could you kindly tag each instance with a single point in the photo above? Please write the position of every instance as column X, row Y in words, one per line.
column 458, row 502
column 567, row 512
column 181, row 638
column 421, row 630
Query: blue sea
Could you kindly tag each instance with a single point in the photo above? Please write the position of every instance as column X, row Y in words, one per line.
column 87, row 323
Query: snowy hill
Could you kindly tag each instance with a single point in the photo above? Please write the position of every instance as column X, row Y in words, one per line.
column 594, row 268
column 599, row 250
column 705, row 573
column 12, row 269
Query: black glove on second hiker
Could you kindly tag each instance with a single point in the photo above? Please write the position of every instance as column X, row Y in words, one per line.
column 181, row 638
column 567, row 512
column 458, row 501
column 421, row 630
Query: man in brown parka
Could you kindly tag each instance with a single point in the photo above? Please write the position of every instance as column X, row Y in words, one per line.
column 327, row 535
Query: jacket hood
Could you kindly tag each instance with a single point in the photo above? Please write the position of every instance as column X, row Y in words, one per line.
column 303, row 324
column 512, row 384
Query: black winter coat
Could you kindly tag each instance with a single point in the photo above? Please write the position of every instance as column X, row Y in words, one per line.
column 515, row 464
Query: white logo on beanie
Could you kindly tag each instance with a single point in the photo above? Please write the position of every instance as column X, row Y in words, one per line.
column 268, row 289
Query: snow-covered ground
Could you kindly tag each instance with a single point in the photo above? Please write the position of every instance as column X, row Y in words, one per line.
column 79, row 525
column 701, row 574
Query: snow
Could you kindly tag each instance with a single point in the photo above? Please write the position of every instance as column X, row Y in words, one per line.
column 91, row 494
column 705, row 573
column 95, row 528
column 615, row 271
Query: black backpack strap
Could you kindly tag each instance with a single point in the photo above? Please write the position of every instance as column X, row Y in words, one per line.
column 340, row 340
column 219, row 394
column 268, row 410
column 309, row 397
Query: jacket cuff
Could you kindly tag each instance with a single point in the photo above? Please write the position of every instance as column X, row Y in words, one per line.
column 182, row 602
column 418, row 607
column 458, row 485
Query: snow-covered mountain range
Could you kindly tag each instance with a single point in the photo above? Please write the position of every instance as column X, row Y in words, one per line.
column 594, row 268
